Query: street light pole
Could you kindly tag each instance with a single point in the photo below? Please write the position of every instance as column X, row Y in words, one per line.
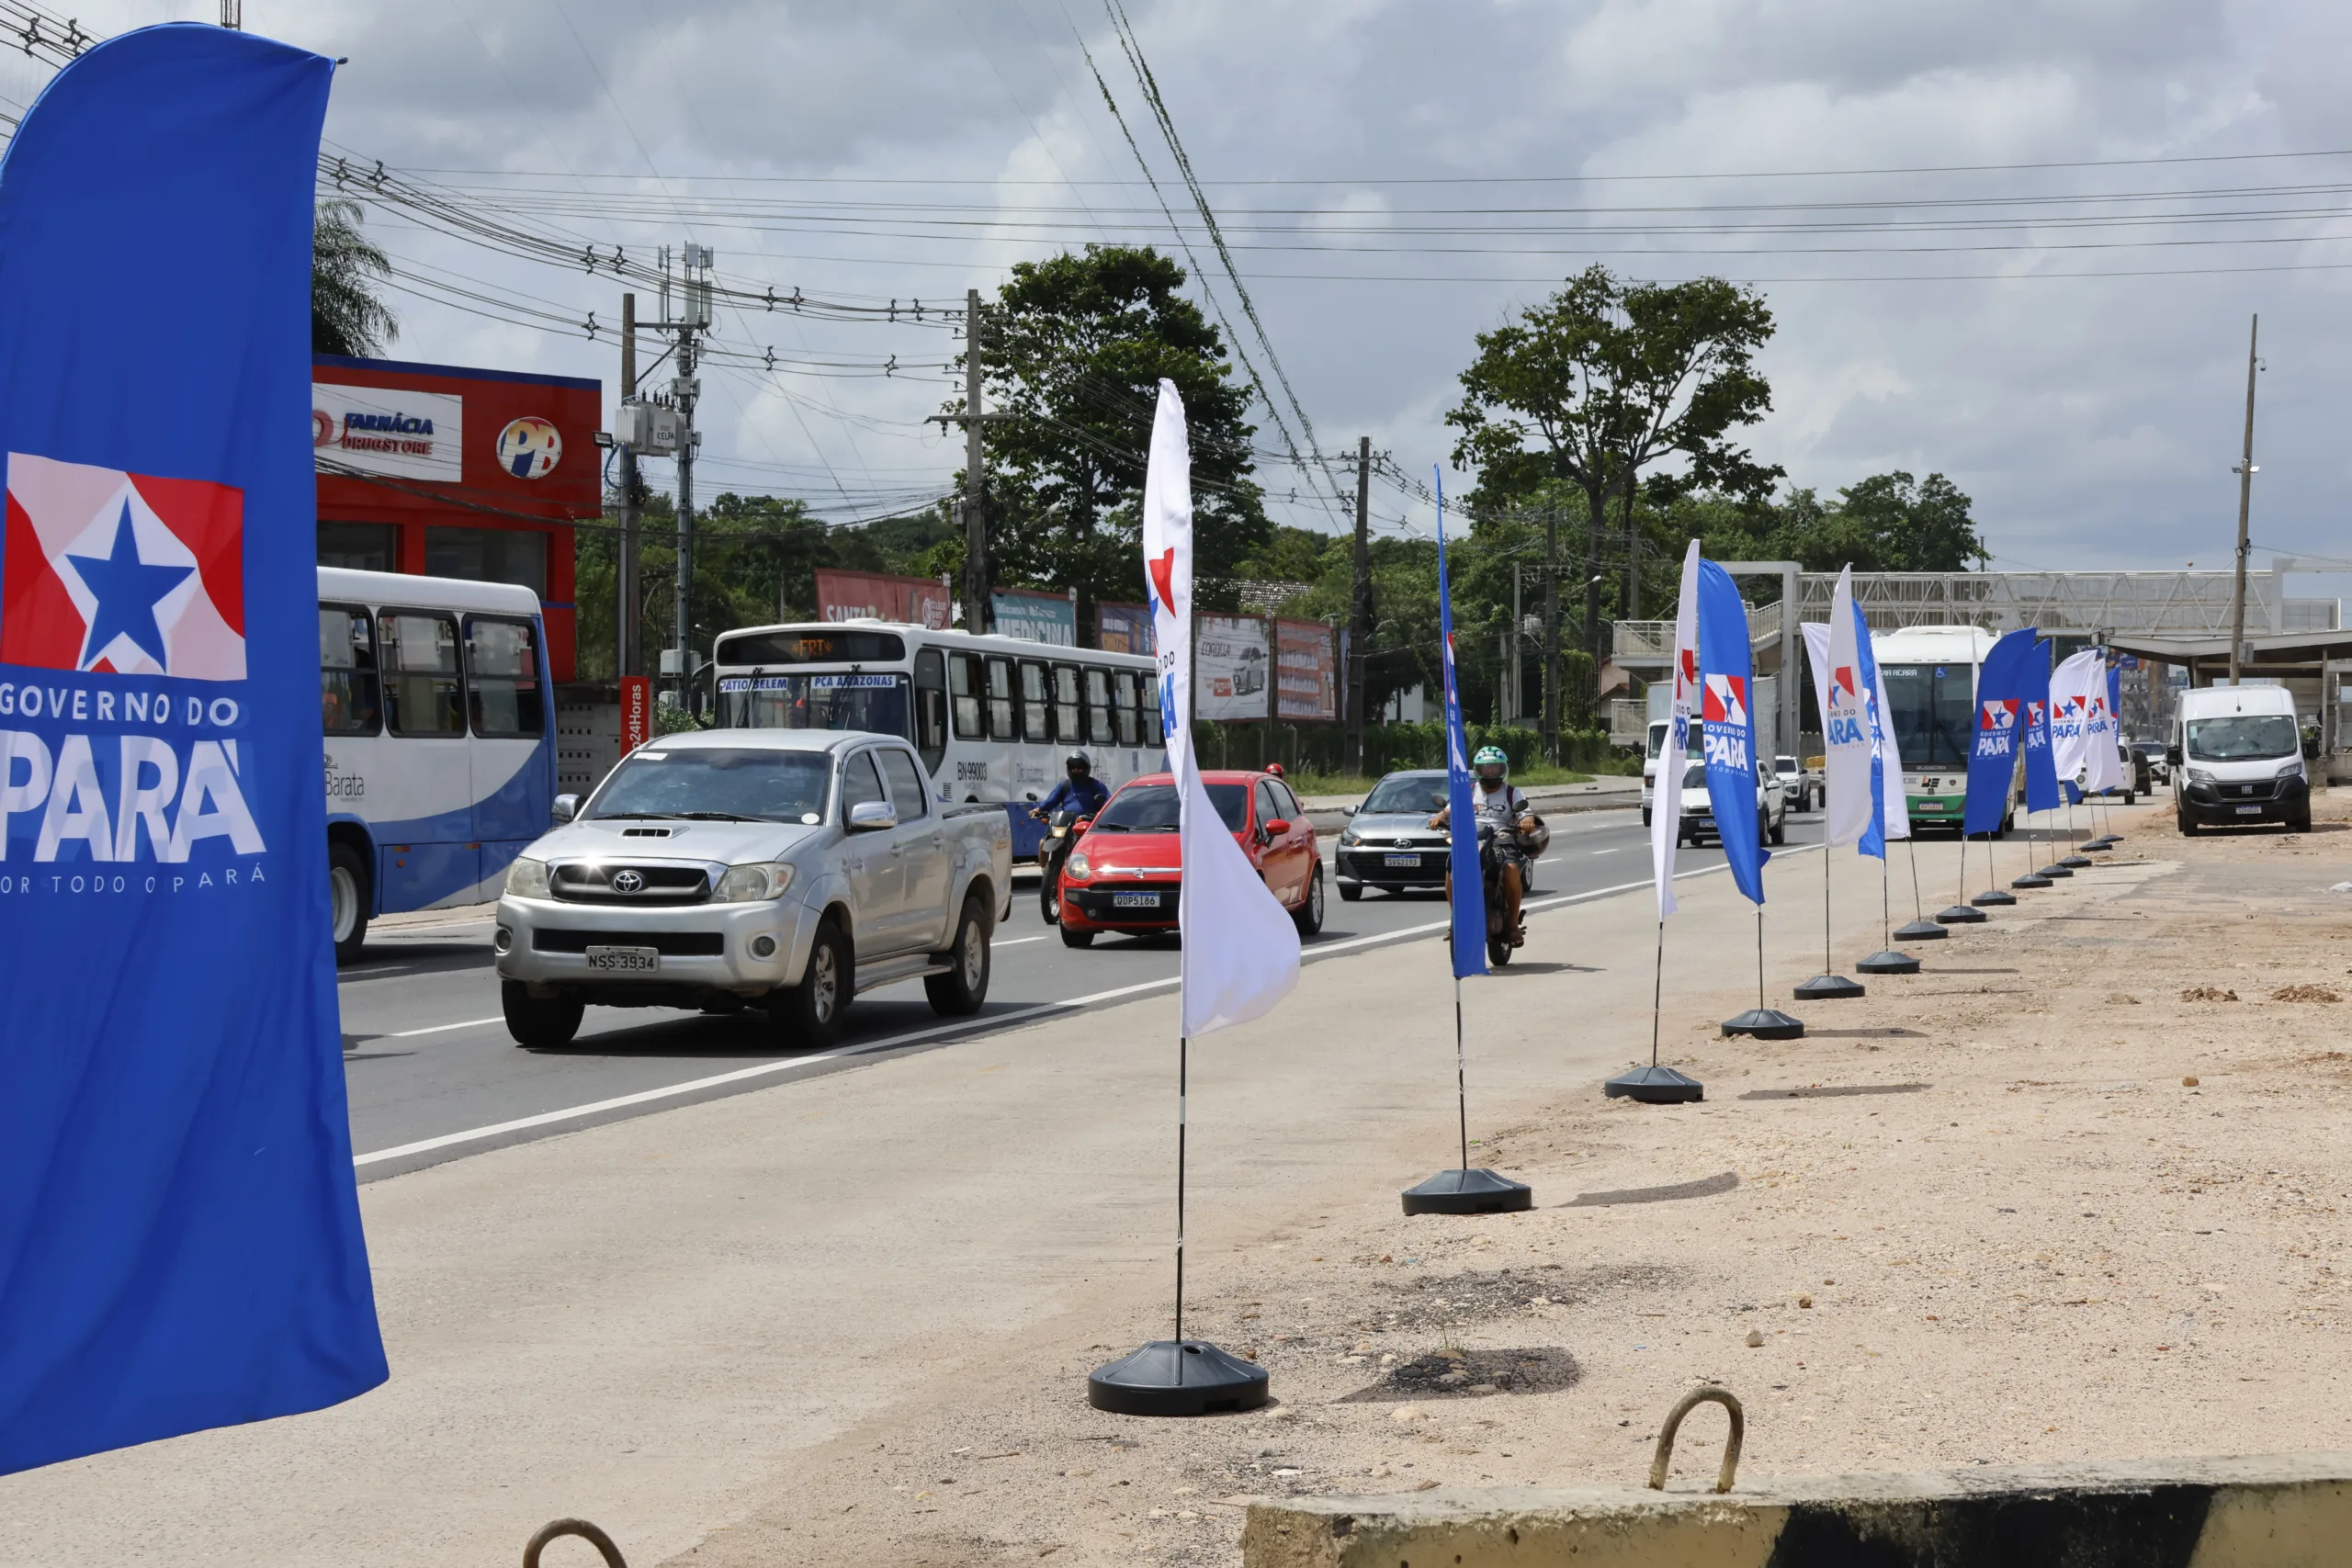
column 2245, row 471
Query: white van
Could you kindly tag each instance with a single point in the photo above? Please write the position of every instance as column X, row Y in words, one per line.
column 2236, row 755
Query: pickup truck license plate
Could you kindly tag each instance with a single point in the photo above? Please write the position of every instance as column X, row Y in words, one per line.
column 1409, row 861
column 625, row 960
column 1135, row 900
column 2249, row 811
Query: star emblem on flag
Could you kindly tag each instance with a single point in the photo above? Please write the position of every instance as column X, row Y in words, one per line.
column 127, row 590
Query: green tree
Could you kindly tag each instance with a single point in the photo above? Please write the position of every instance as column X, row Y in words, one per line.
column 346, row 267
column 1074, row 350
column 1604, row 382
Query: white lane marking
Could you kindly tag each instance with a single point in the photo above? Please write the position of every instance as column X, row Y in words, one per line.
column 1019, row 1015
column 1016, row 942
column 1620, row 847
column 442, row 1028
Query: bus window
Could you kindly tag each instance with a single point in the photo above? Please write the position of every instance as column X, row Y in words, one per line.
column 1066, row 728
column 350, row 700
column 1100, row 730
column 931, row 708
column 503, row 678
column 1036, row 720
column 1153, row 734
column 1123, row 687
column 1000, row 724
column 964, row 695
column 424, row 693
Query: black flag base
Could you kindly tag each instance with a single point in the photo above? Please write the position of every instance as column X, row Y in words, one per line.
column 1829, row 989
column 2031, row 880
column 1920, row 931
column 1890, row 962
column 2104, row 841
column 1960, row 915
column 1655, row 1086
column 2076, row 863
column 1765, row 1023
column 2055, row 868
column 1468, row 1192
column 1177, row 1377
column 1992, row 898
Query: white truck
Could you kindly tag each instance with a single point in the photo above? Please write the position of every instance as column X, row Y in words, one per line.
column 2236, row 755
column 782, row 869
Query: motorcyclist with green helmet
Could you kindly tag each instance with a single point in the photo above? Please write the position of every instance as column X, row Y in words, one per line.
column 1499, row 805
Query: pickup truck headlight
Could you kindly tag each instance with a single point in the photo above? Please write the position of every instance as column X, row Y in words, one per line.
column 527, row 878
column 752, row 883
column 1075, row 869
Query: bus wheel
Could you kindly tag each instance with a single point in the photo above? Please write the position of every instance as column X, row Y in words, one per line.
column 348, row 900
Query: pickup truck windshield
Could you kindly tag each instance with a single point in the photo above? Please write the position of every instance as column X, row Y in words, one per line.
column 2242, row 738
column 1424, row 795
column 713, row 782
column 1151, row 809
column 847, row 701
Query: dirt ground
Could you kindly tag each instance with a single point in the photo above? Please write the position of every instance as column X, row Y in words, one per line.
column 2074, row 1190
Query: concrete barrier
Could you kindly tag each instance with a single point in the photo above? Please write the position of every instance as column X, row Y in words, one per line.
column 2269, row 1511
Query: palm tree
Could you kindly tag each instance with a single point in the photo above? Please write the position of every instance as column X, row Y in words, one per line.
column 346, row 317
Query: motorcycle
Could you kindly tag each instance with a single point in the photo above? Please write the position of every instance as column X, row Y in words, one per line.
column 1499, row 932
column 1061, row 835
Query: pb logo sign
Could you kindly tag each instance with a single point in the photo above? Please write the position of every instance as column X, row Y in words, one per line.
column 121, row 573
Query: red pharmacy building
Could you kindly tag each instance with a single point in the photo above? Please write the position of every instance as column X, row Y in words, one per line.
column 452, row 472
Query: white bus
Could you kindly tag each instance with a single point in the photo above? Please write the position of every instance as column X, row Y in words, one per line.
column 992, row 718
column 440, row 740
column 1930, row 675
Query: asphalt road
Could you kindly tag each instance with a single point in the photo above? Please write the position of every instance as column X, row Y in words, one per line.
column 433, row 1075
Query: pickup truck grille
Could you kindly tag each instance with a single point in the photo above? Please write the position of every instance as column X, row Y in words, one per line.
column 669, row 945
column 630, row 884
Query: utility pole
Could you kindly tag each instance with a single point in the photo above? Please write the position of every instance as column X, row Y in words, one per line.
column 1517, row 659
column 976, row 517
column 1551, row 633
column 1359, row 606
column 2245, row 472
column 626, row 633
column 232, row 15
column 685, row 390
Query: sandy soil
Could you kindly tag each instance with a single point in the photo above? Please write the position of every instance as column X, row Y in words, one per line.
column 2073, row 1191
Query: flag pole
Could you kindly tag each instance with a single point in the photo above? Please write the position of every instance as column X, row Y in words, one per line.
column 1887, row 960
column 1764, row 1022
column 1183, row 1081
column 1461, row 1076
column 1828, row 986
column 1963, row 913
column 1921, row 929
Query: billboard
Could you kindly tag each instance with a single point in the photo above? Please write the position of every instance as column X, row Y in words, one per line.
column 1307, row 674
column 913, row 601
column 1229, row 655
column 1035, row 617
column 1124, row 628
column 401, row 435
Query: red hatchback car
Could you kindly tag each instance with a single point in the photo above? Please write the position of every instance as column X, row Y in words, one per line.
column 1125, row 873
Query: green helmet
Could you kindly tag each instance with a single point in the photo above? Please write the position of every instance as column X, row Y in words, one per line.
column 1491, row 757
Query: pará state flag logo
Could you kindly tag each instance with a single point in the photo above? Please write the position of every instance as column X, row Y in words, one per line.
column 1843, row 692
column 1724, row 700
column 529, row 447
column 2000, row 713
column 121, row 573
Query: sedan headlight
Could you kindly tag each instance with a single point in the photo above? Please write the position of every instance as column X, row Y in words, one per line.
column 752, row 883
column 527, row 878
column 1348, row 838
column 1075, row 869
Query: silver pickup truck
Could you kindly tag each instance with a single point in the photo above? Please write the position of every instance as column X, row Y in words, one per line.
column 784, row 869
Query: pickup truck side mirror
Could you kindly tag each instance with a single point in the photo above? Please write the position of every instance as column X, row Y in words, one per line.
column 871, row 816
column 563, row 809
column 2172, row 756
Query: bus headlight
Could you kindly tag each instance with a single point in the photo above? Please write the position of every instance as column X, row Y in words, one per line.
column 527, row 878
column 752, row 883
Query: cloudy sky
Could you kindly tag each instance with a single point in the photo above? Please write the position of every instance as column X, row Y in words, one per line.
column 2019, row 243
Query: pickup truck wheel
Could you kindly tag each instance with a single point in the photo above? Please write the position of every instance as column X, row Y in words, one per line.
column 960, row 991
column 348, row 900
column 1781, row 828
column 539, row 1023
column 1308, row 917
column 809, row 1014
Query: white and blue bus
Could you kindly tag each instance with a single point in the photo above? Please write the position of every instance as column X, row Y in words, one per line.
column 992, row 718
column 440, row 740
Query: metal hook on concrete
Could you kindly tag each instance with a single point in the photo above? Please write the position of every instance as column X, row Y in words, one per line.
column 1683, row 1406
column 584, row 1530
